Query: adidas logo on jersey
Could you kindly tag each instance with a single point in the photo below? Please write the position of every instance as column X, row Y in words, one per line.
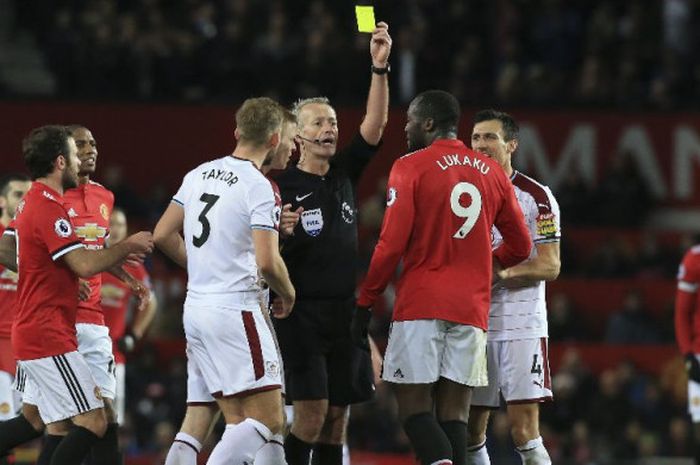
column 72, row 213
column 398, row 373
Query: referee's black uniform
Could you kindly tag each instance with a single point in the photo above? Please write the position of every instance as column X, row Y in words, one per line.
column 320, row 360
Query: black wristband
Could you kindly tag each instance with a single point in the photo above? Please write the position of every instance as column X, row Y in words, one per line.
column 384, row 70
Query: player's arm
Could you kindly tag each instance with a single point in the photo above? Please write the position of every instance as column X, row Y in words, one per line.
column 143, row 319
column 543, row 267
column 272, row 267
column 685, row 304
column 167, row 234
column 142, row 293
column 8, row 251
column 393, row 238
column 86, row 263
column 510, row 222
column 685, row 308
column 377, row 115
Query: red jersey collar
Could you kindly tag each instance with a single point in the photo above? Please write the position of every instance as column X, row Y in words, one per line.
column 449, row 143
column 50, row 190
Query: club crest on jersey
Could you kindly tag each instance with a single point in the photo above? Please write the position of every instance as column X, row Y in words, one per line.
column 390, row 197
column 5, row 408
column 312, row 222
column 347, row 212
column 104, row 211
column 62, row 227
column 276, row 215
column 272, row 368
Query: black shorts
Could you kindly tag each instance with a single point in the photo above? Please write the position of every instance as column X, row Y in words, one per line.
column 320, row 360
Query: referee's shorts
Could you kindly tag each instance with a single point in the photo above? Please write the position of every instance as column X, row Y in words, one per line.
column 320, row 360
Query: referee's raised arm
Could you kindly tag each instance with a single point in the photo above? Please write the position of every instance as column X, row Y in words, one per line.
column 377, row 114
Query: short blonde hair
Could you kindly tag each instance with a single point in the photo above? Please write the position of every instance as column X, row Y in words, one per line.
column 302, row 102
column 258, row 119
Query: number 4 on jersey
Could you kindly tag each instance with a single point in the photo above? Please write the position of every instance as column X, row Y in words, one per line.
column 209, row 200
column 470, row 213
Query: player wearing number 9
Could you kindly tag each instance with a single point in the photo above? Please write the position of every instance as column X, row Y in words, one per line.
column 443, row 200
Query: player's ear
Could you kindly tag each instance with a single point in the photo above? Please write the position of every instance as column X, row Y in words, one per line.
column 237, row 134
column 274, row 140
column 428, row 125
column 60, row 162
column 512, row 145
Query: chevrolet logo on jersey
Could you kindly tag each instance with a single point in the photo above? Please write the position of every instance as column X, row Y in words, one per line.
column 91, row 232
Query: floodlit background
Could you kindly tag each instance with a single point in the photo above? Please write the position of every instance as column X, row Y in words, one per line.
column 606, row 93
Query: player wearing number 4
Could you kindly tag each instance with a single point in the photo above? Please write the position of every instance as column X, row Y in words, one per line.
column 443, row 199
column 518, row 364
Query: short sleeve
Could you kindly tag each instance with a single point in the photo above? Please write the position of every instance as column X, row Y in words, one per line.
column 689, row 272
column 265, row 213
column 182, row 193
column 56, row 231
column 10, row 230
column 546, row 226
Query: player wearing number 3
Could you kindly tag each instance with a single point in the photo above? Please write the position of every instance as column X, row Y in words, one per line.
column 443, row 199
column 518, row 364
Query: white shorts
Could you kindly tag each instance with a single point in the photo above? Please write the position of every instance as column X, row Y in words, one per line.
column 423, row 351
column 119, row 400
column 518, row 370
column 61, row 386
column 694, row 398
column 10, row 398
column 95, row 345
column 230, row 352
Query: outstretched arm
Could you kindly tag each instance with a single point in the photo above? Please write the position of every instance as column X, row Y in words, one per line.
column 377, row 114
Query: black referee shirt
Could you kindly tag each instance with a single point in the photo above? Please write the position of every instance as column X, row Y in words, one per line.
column 322, row 254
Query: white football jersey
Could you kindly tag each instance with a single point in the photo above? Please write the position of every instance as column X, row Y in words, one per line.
column 224, row 199
column 522, row 313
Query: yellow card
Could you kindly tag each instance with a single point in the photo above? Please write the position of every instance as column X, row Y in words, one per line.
column 365, row 18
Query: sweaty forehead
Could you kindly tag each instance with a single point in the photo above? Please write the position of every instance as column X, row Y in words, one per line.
column 488, row 127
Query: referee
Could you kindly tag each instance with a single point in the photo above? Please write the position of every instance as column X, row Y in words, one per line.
column 325, row 373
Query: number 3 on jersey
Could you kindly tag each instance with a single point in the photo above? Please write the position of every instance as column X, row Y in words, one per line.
column 209, row 201
column 470, row 213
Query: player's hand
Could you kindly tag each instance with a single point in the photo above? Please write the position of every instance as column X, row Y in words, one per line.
column 135, row 259
column 281, row 307
column 497, row 274
column 289, row 219
column 692, row 367
column 140, row 243
column 380, row 45
column 127, row 342
column 143, row 294
column 84, row 290
column 359, row 327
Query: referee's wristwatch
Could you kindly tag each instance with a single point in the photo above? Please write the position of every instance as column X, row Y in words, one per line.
column 384, row 70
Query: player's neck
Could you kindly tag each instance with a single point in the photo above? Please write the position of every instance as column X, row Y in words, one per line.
column 5, row 220
column 54, row 182
column 313, row 164
column 83, row 179
column 254, row 154
column 509, row 170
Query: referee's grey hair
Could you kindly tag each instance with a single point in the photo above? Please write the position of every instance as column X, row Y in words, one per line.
column 302, row 102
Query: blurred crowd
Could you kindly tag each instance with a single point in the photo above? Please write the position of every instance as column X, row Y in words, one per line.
column 622, row 53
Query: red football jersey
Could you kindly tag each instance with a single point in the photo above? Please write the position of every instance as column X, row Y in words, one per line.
column 687, row 316
column 8, row 294
column 116, row 295
column 441, row 204
column 47, row 291
column 90, row 206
